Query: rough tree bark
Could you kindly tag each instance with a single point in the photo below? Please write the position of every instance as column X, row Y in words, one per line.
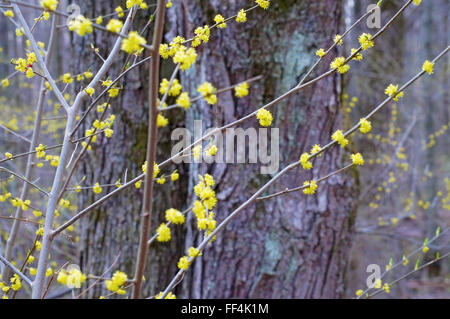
column 291, row 246
column 113, row 228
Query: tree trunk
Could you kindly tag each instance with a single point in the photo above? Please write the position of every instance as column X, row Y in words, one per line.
column 292, row 246
column 113, row 228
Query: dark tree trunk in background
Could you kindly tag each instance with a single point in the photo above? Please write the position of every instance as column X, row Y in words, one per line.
column 113, row 228
column 291, row 246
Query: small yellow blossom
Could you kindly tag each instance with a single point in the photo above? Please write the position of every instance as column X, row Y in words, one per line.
column 357, row 159
column 133, row 43
column 163, row 233
column 174, row 216
column 119, row 11
column 241, row 16
column 339, row 137
column 193, row 252
column 365, row 126
column 338, row 64
column 114, row 25
column 211, row 151
column 321, row 53
column 366, row 41
column 311, row 187
column 263, row 3
column 338, row 39
column 49, row 5
column 392, row 90
column 241, row 89
column 9, row 14
column 265, row 117
column 161, row 121
column 90, row 91
column 184, row 263
column 208, row 92
column 305, row 161
column 220, row 21
column 174, row 176
column 67, row 78
column 81, row 25
column 116, row 283
column 184, row 101
column 358, row 56
column 97, row 188
column 428, row 67
column 316, row 148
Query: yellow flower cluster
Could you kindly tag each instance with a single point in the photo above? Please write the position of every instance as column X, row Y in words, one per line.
column 241, row 89
column 184, row 263
column 220, row 21
column 338, row 39
column 16, row 284
column 305, row 161
column 357, row 159
column 116, row 283
column 206, row 202
column 140, row 3
column 155, row 169
column 113, row 91
column 119, row 11
column 186, row 57
column 184, row 100
column 174, row 90
column 67, row 78
column 392, row 90
column 241, row 16
column 311, row 187
column 316, row 148
column 4, row 83
column 207, row 90
column 9, row 14
column 90, row 91
column 201, row 34
column 211, row 150
column 161, row 121
column 163, row 233
column 73, row 278
column 365, row 126
column 179, row 53
column 97, row 188
column 169, row 296
column 114, row 25
column 49, row 5
column 358, row 56
column 17, row 202
column 265, row 117
column 365, row 40
column 339, row 137
column 133, row 43
column 81, row 25
column 263, row 3
column 321, row 53
column 174, row 216
column 428, row 67
column 338, row 64
column 193, row 252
